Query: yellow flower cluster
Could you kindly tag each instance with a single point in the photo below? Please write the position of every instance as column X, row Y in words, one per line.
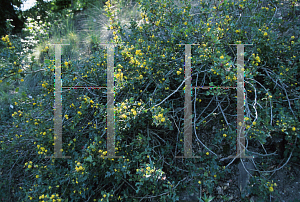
column 86, row 100
column 159, row 117
column 53, row 197
column 148, row 172
column 138, row 52
column 15, row 113
column 103, row 153
column 119, row 75
column 6, row 39
column 45, row 49
column 79, row 167
column 123, row 107
column 29, row 165
column 44, row 85
column 270, row 185
column 257, row 58
column 265, row 8
column 43, row 150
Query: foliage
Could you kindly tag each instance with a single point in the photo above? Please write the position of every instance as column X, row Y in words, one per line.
column 8, row 11
column 149, row 68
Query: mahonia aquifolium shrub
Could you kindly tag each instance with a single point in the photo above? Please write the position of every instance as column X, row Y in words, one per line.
column 149, row 67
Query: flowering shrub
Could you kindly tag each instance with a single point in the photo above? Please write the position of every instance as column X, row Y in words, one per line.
column 149, row 105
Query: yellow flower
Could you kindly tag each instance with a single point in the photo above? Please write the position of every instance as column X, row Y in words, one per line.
column 224, row 135
column 222, row 57
column 66, row 116
column 271, row 189
column 134, row 113
column 66, row 63
column 139, row 104
column 22, row 80
column 79, row 112
column 37, row 176
column 237, row 31
column 178, row 72
column 265, row 34
column 185, row 23
column 254, row 123
column 104, row 195
column 293, row 128
column 292, row 37
column 15, row 63
column 199, row 182
column 29, row 166
column 207, row 153
column 20, row 70
column 163, row 119
column 215, row 175
column 34, row 103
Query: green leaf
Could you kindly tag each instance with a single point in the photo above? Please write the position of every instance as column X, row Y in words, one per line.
column 90, row 159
